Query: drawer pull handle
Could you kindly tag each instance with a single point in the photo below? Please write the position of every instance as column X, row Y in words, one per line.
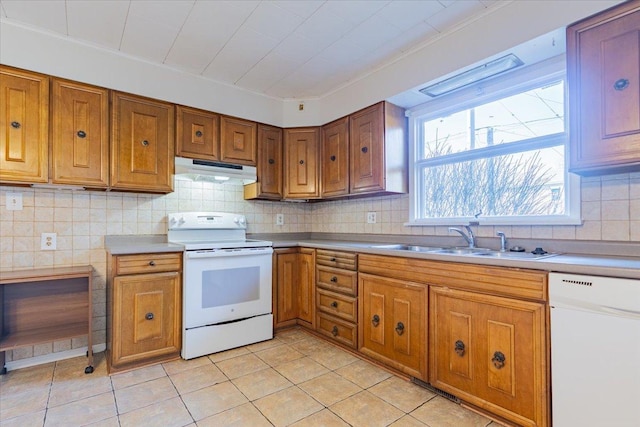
column 621, row 84
column 152, row 263
column 149, row 316
column 498, row 359
column 334, row 304
column 400, row 328
column 81, row 134
column 15, row 125
column 145, row 143
column 334, row 331
column 459, row 348
column 334, row 279
column 199, row 133
column 375, row 320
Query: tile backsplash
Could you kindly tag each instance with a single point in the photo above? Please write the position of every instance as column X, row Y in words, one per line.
column 81, row 219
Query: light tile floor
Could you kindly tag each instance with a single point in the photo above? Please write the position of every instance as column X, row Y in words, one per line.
column 295, row 379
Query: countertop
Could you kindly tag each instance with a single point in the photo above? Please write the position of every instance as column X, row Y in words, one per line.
column 596, row 265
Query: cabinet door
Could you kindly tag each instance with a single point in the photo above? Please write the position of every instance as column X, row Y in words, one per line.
column 270, row 162
column 238, row 141
column 491, row 351
column 335, row 158
column 142, row 144
column 603, row 70
column 301, row 163
column 79, row 134
column 24, row 126
column 366, row 128
column 392, row 323
column 286, row 284
column 197, row 133
column 306, row 286
column 146, row 317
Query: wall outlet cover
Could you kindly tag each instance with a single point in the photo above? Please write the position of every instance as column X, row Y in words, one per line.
column 371, row 217
column 14, row 201
column 48, row 241
column 279, row 219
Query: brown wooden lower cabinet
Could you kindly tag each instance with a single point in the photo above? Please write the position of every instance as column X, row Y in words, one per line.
column 393, row 323
column 294, row 287
column 144, row 306
column 490, row 351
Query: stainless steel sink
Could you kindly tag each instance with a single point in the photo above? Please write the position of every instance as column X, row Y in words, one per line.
column 464, row 251
column 514, row 255
column 412, row 248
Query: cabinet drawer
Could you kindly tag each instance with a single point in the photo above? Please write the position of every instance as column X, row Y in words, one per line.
column 338, row 280
column 148, row 263
column 338, row 305
column 346, row 260
column 337, row 329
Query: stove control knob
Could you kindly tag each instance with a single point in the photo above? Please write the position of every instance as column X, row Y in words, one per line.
column 236, row 220
column 181, row 220
column 243, row 221
column 172, row 221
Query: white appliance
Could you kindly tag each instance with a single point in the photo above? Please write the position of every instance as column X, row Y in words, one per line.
column 206, row 170
column 226, row 282
column 595, row 351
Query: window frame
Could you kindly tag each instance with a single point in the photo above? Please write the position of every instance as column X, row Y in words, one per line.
column 528, row 78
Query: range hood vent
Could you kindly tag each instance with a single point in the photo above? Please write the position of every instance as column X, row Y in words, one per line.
column 210, row 171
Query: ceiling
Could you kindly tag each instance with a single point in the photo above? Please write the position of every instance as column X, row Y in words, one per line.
column 284, row 49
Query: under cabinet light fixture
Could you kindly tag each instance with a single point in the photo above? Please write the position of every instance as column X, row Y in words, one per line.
column 474, row 75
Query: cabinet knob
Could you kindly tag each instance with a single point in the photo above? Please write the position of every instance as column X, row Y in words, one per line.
column 302, row 162
column 334, row 304
column 400, row 328
column 333, row 158
column 152, row 263
column 621, row 84
column 498, row 359
column 15, row 125
column 145, row 142
column 332, row 260
column 459, row 348
column 334, row 331
column 375, row 320
column 81, row 134
column 364, row 149
column 148, row 316
column 271, row 161
column 198, row 133
column 334, row 279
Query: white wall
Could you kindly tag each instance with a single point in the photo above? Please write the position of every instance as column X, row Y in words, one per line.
column 502, row 27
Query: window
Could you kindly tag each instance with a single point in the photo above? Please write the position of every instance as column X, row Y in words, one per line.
column 495, row 153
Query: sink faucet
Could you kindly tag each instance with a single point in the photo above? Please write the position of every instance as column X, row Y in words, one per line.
column 468, row 236
column 503, row 241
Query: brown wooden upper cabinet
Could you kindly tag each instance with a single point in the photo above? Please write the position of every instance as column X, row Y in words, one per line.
column 238, row 141
column 269, row 184
column 24, row 126
column 79, row 134
column 142, row 144
column 335, row 158
column 197, row 133
column 301, row 163
column 603, row 74
column 378, row 141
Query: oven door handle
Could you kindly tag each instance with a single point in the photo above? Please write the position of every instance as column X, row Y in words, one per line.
column 218, row 253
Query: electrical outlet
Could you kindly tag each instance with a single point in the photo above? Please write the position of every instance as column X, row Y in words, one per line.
column 48, row 241
column 14, row 201
column 371, row 217
column 279, row 219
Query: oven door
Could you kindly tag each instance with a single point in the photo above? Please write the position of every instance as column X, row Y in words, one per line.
column 223, row 285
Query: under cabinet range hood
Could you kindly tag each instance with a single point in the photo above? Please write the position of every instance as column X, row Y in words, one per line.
column 211, row 171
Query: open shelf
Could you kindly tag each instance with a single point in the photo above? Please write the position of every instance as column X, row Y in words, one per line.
column 42, row 335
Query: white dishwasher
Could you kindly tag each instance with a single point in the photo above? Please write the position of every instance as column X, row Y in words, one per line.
column 595, row 351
